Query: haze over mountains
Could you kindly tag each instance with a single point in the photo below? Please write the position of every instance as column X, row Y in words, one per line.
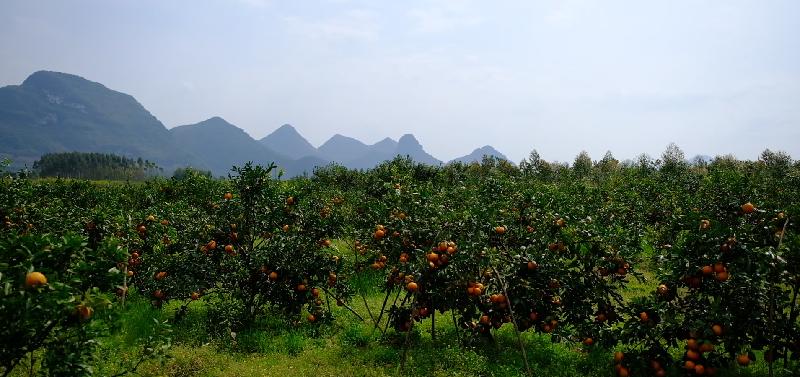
column 58, row 112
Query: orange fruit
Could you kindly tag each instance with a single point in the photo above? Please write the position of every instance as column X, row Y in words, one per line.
column 692, row 355
column 412, row 287
column 644, row 317
column 588, row 341
column 719, row 267
column 600, row 317
column 699, row 370
column 500, row 229
column 717, row 329
column 707, row 270
column 211, row 245
column 85, row 312
column 532, row 265
column 229, row 249
column 228, row 196
column 691, row 344
column 618, row 356
column 311, row 318
column 743, row 359
column 748, row 207
column 379, row 234
column 623, row 372
column 161, row 275
column 35, row 279
column 722, row 276
column 273, row 276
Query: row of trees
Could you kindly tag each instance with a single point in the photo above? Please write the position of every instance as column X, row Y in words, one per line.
column 672, row 160
column 101, row 166
column 95, row 166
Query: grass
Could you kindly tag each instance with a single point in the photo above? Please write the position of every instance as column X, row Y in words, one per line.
column 348, row 347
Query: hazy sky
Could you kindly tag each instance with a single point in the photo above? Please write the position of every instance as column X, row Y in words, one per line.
column 558, row 76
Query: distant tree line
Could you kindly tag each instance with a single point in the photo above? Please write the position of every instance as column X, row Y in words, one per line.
column 184, row 173
column 96, row 166
column 672, row 162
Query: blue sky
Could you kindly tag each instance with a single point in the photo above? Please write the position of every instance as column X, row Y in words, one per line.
column 715, row 77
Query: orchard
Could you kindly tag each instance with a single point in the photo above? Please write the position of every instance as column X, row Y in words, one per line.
column 663, row 267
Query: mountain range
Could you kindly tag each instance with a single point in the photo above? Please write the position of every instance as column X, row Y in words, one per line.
column 59, row 112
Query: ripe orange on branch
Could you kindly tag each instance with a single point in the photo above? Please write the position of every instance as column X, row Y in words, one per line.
column 35, row 279
column 743, row 359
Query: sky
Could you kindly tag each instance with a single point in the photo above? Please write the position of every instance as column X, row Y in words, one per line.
column 715, row 77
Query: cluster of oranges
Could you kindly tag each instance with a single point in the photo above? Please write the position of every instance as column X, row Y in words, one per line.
column 619, row 366
column 718, row 272
column 475, row 289
column 605, row 313
column 379, row 263
column 616, row 265
column 360, row 248
column 694, row 362
column 499, row 299
column 411, row 285
column 380, row 232
column 441, row 253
